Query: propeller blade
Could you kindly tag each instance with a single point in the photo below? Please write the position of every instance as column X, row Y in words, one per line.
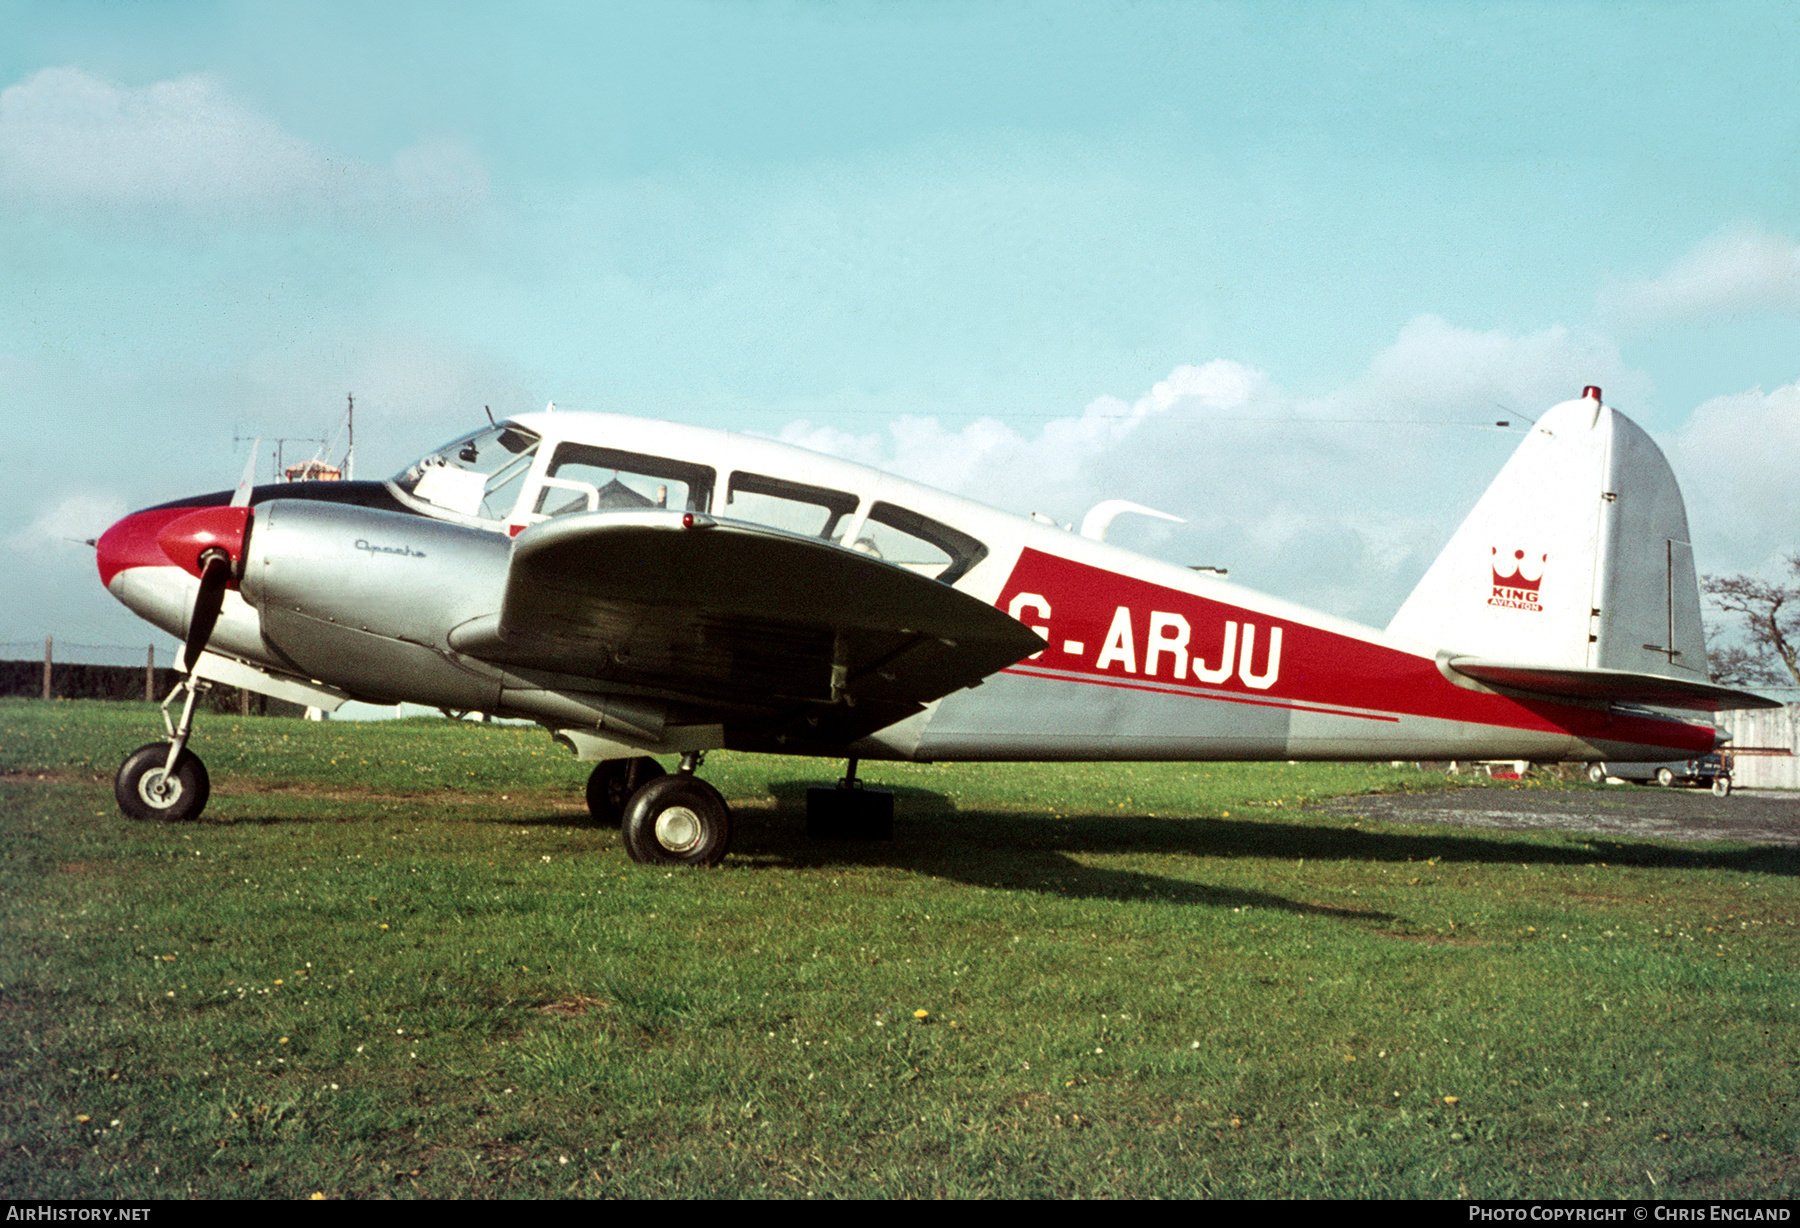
column 207, row 604
column 241, row 496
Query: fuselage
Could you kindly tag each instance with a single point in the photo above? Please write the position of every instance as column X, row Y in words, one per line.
column 366, row 590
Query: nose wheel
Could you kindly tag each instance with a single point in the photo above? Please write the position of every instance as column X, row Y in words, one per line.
column 165, row 780
column 677, row 820
column 146, row 788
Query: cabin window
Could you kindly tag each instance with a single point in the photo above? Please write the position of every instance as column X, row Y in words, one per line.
column 918, row 543
column 583, row 478
column 812, row 511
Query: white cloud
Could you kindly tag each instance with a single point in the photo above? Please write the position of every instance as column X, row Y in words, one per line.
column 1738, row 460
column 67, row 136
column 1740, row 269
column 75, row 518
column 1055, row 462
column 442, row 170
column 1438, row 371
column 1340, row 501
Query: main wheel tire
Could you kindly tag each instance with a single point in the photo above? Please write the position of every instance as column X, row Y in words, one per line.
column 1596, row 774
column 1665, row 777
column 611, row 784
column 677, row 821
column 144, row 792
column 1721, row 786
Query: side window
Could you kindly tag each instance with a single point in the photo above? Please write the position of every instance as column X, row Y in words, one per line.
column 918, row 543
column 810, row 510
column 583, row 478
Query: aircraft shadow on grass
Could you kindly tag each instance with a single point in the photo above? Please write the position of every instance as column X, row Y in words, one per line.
column 1036, row 851
column 1042, row 852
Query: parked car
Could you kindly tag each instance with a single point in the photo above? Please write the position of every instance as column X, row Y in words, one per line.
column 1707, row 771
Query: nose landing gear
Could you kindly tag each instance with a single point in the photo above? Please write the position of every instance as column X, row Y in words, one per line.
column 163, row 780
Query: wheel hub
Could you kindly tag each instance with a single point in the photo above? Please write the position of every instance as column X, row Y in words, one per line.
column 157, row 789
column 678, row 829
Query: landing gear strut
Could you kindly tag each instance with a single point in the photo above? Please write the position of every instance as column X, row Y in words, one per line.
column 849, row 812
column 677, row 820
column 163, row 780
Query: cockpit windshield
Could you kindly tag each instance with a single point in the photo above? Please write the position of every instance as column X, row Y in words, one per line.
column 477, row 475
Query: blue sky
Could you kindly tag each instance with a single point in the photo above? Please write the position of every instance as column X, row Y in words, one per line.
column 1264, row 266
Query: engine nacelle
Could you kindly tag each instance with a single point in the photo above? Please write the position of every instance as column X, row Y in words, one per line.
column 365, row 599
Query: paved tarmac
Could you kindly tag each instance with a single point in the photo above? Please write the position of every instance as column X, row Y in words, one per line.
column 1749, row 816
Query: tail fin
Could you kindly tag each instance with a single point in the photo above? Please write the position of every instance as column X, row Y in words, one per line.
column 1574, row 576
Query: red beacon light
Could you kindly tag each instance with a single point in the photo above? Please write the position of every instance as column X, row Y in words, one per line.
column 1591, row 393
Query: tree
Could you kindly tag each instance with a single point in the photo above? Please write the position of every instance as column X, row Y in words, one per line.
column 1770, row 652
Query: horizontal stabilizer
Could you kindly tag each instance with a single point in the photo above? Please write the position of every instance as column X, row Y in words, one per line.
column 1612, row 685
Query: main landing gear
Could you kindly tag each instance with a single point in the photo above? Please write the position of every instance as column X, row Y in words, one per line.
column 677, row 820
column 164, row 780
column 611, row 784
column 680, row 820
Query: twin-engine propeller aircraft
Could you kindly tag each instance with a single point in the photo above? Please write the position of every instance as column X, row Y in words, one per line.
column 642, row 588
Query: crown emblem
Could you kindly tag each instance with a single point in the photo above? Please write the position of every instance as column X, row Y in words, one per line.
column 1517, row 579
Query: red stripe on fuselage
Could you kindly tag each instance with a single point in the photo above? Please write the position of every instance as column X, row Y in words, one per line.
column 1317, row 670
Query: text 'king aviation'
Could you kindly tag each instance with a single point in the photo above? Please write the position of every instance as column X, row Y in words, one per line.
column 643, row 588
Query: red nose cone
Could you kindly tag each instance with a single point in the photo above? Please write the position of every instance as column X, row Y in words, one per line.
column 132, row 542
column 183, row 541
column 170, row 536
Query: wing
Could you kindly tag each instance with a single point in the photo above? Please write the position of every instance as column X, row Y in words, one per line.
column 1616, row 685
column 739, row 621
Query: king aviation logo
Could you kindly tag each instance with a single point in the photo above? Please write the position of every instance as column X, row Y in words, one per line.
column 1517, row 578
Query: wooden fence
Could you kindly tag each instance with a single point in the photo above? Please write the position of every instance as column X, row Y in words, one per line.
column 52, row 679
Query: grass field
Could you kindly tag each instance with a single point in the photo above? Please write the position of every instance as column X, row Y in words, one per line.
column 393, row 960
